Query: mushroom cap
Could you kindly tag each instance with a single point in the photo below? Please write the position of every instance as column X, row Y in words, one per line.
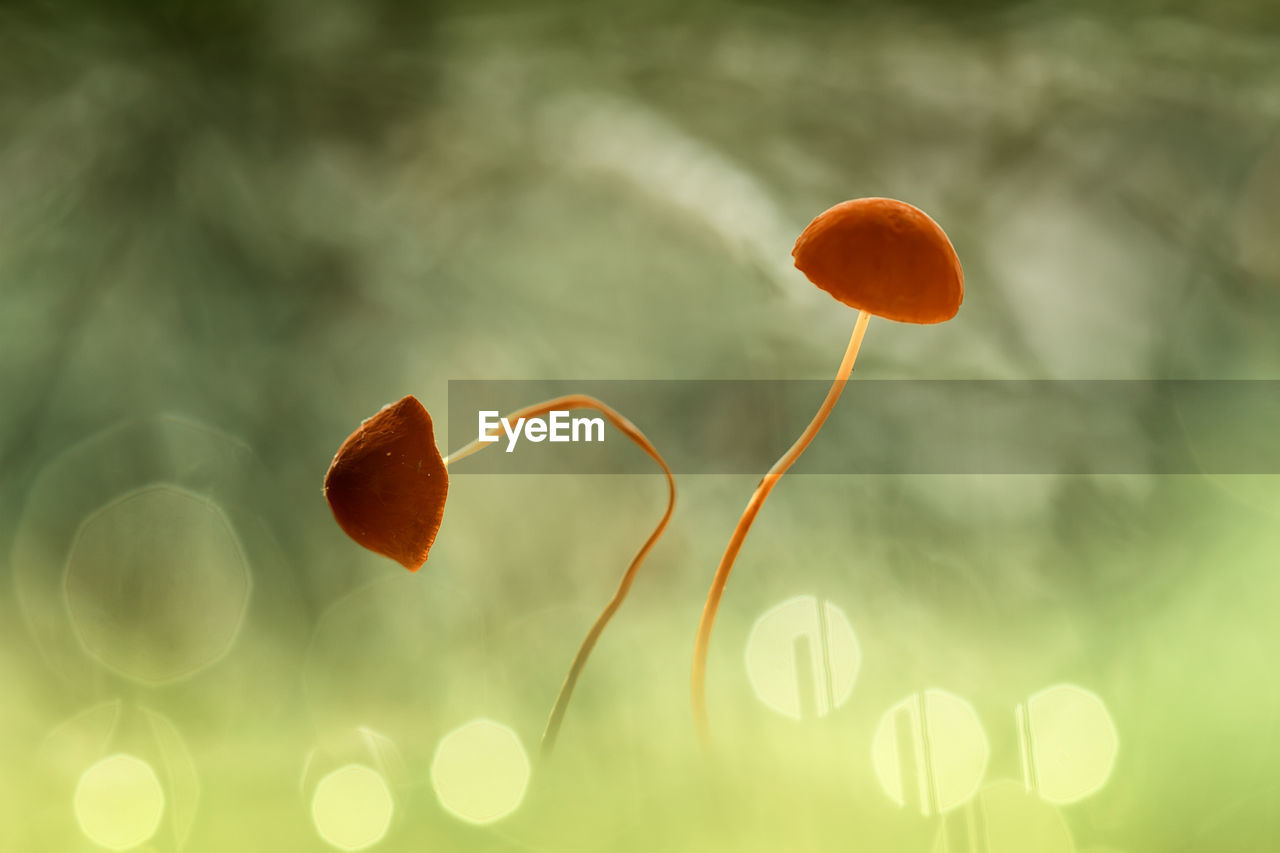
column 883, row 256
column 387, row 484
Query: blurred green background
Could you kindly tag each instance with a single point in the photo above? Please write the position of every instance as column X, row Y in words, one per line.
column 229, row 232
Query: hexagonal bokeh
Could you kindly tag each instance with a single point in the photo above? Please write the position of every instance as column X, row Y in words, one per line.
column 1069, row 743
column 119, row 802
column 118, row 775
column 135, row 548
column 930, row 752
column 481, row 771
column 803, row 658
column 352, row 807
column 156, row 584
column 354, row 784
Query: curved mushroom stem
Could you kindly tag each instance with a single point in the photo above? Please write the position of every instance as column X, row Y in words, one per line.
column 699, row 679
column 582, row 401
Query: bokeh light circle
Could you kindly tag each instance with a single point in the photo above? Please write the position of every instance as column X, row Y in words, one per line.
column 481, row 771
column 130, row 551
column 1069, row 743
column 157, row 584
column 930, row 752
column 803, row 658
column 352, row 807
column 119, row 802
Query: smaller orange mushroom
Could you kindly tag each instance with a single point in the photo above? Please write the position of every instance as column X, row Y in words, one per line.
column 387, row 484
column 387, row 487
column 880, row 256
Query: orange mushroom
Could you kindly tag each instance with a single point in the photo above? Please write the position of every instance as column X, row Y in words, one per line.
column 387, row 487
column 387, row 484
column 882, row 257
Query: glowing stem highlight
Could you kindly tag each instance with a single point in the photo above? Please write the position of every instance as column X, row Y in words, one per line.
column 698, row 683
column 582, row 401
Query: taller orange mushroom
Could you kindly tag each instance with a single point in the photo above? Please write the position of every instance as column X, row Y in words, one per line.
column 882, row 257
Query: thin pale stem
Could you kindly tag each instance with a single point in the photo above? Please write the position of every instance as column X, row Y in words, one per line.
column 582, row 401
column 698, row 682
